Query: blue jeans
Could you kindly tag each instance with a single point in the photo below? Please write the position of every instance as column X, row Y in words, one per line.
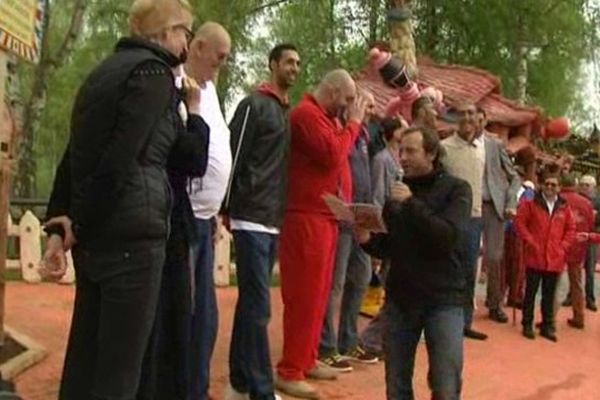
column 443, row 326
column 350, row 280
column 249, row 357
column 205, row 318
column 472, row 240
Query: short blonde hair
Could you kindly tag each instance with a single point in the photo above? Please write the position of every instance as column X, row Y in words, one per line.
column 589, row 180
column 150, row 17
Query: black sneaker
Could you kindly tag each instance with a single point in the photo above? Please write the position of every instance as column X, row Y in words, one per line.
column 358, row 354
column 548, row 334
column 473, row 334
column 337, row 363
column 499, row 316
column 528, row 332
column 591, row 307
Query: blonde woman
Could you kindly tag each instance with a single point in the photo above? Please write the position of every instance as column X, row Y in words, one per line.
column 112, row 189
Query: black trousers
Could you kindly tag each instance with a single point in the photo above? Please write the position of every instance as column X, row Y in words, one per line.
column 549, row 282
column 115, row 304
column 166, row 368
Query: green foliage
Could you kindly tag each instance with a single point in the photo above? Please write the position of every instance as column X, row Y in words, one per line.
column 487, row 33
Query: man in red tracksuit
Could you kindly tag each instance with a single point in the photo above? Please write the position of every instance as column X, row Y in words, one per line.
column 319, row 149
column 583, row 213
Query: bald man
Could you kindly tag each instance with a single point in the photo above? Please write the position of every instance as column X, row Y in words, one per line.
column 178, row 358
column 320, row 145
column 208, row 52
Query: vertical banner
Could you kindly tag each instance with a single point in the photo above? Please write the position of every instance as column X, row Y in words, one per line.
column 21, row 27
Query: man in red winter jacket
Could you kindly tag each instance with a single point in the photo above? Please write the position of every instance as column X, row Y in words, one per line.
column 319, row 148
column 547, row 227
column 583, row 213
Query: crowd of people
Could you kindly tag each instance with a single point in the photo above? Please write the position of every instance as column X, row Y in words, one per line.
column 152, row 169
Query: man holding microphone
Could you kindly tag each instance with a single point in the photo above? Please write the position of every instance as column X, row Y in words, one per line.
column 425, row 217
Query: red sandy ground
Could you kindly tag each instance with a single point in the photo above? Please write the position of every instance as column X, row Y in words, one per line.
column 506, row 367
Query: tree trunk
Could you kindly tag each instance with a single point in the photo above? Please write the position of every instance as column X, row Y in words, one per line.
column 431, row 24
column 374, row 11
column 522, row 70
column 25, row 180
column 402, row 42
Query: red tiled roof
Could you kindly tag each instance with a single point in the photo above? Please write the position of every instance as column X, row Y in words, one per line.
column 458, row 84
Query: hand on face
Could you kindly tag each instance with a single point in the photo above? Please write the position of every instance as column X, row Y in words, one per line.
column 192, row 93
column 357, row 109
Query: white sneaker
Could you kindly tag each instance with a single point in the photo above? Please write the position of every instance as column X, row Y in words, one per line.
column 232, row 394
column 278, row 397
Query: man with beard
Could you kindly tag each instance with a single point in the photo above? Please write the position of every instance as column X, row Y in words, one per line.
column 426, row 217
column 353, row 270
column 462, row 161
column 112, row 184
column 319, row 148
column 255, row 206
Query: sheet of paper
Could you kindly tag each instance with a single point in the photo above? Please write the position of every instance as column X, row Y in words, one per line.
column 364, row 216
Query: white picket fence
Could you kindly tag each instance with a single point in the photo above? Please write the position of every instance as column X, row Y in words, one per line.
column 30, row 234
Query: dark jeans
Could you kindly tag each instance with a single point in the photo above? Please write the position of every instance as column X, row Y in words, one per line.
column 166, row 370
column 590, row 271
column 371, row 338
column 472, row 240
column 549, row 281
column 115, row 305
column 249, row 356
column 443, row 327
column 350, row 281
column 205, row 318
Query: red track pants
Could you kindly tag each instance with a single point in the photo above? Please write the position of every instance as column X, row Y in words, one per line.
column 306, row 257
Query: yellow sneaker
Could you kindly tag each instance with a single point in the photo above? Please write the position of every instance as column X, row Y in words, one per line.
column 372, row 302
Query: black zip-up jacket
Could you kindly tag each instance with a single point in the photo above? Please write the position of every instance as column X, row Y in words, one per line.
column 125, row 131
column 260, row 143
column 424, row 242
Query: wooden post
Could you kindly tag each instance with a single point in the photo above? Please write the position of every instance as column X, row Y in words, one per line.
column 6, row 132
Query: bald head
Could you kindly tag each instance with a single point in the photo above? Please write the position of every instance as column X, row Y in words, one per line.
column 338, row 79
column 212, row 31
column 336, row 91
column 209, row 51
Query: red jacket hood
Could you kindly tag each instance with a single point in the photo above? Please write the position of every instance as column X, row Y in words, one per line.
column 267, row 89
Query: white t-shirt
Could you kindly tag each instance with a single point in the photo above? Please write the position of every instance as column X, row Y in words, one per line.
column 207, row 193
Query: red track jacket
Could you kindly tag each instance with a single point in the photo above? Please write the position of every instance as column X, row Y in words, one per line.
column 548, row 237
column 319, row 151
column 583, row 213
